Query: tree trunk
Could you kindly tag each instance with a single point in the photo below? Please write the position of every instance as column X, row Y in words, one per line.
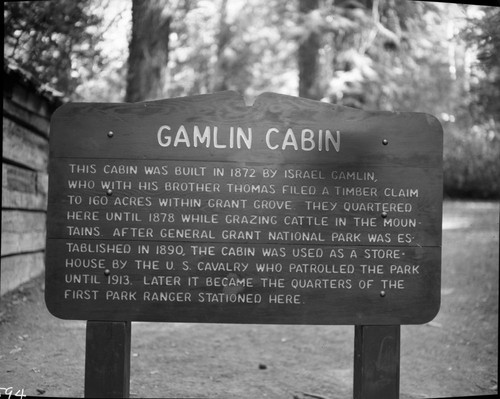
column 148, row 51
column 309, row 56
column 224, row 36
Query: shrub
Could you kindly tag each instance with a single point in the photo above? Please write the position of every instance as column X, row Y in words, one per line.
column 472, row 162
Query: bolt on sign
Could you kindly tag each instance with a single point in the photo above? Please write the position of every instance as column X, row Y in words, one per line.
column 203, row 209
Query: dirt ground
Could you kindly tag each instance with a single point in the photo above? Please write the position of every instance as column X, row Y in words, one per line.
column 456, row 354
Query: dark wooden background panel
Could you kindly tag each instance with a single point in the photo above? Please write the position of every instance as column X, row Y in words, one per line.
column 417, row 297
column 106, row 267
column 420, row 184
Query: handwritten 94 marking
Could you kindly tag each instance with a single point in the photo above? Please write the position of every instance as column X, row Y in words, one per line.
column 10, row 392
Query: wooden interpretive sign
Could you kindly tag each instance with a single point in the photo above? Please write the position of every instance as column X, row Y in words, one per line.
column 203, row 209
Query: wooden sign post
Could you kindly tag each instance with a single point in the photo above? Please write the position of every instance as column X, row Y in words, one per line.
column 376, row 362
column 291, row 211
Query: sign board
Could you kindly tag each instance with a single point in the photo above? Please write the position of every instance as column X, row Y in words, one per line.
column 203, row 209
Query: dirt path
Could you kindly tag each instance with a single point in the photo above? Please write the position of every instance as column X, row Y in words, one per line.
column 454, row 355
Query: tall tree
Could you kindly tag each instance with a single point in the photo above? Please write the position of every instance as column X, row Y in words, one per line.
column 308, row 53
column 148, row 50
column 223, row 39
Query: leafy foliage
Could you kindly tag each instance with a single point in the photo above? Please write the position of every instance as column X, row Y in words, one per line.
column 471, row 163
column 54, row 40
column 241, row 46
column 484, row 36
column 472, row 142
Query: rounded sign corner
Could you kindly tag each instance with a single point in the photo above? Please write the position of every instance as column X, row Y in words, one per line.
column 432, row 312
column 61, row 110
column 53, row 310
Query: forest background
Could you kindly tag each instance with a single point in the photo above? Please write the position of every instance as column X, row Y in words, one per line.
column 438, row 58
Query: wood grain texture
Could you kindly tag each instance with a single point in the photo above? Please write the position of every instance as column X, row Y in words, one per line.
column 107, row 359
column 23, row 146
column 22, row 231
column 376, row 362
column 25, row 153
column 29, row 99
column 23, row 188
column 30, row 119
